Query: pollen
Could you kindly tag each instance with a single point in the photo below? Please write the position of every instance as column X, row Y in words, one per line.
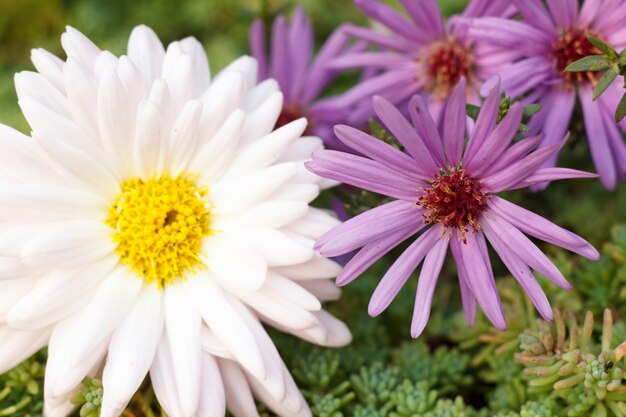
column 445, row 62
column 571, row 46
column 454, row 200
column 159, row 225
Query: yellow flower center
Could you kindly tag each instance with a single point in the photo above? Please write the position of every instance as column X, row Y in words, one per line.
column 159, row 225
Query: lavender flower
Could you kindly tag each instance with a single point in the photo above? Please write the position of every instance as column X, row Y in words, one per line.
column 421, row 55
column 301, row 77
column 446, row 193
column 550, row 39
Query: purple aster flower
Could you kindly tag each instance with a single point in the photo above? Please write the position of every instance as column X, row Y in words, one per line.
column 302, row 78
column 421, row 54
column 446, row 194
column 551, row 38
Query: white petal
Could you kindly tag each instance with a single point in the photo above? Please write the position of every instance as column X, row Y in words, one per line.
column 243, row 193
column 323, row 289
column 147, row 52
column 50, row 66
column 212, row 401
column 261, row 92
column 178, row 72
column 316, row 268
column 114, row 298
column 133, row 83
column 149, row 147
column 296, row 192
column 105, row 62
column 261, row 121
column 225, row 322
column 215, row 156
column 182, row 324
column 58, row 294
column 116, row 121
column 184, row 137
column 62, row 376
column 239, row 400
column 36, row 86
column 164, row 381
column 81, row 91
column 78, row 46
column 266, row 150
column 221, row 99
column 79, row 167
column 69, row 244
column 269, row 214
column 12, row 291
column 18, row 345
column 49, row 203
column 246, row 67
column 131, row 351
column 314, row 224
column 234, row 263
column 200, row 64
column 13, row 268
column 276, row 248
column 302, row 149
column 23, row 160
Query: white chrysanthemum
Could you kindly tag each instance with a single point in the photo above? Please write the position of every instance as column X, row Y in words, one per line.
column 151, row 223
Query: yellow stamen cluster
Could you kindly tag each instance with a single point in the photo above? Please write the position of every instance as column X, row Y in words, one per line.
column 159, row 225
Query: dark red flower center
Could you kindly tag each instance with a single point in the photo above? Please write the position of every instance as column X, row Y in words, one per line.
column 446, row 62
column 572, row 46
column 453, row 200
column 291, row 113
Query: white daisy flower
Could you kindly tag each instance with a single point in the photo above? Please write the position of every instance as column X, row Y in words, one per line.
column 150, row 224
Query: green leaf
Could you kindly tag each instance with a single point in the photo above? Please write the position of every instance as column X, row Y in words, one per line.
column 620, row 112
column 532, row 109
column 589, row 63
column 523, row 128
column 472, row 111
column 605, row 81
column 622, row 58
column 605, row 48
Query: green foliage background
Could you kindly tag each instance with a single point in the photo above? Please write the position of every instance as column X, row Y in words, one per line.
column 451, row 370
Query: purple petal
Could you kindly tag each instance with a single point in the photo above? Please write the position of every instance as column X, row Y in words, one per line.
column 535, row 13
column 378, row 84
column 598, row 138
column 454, row 132
column 280, row 58
column 480, row 277
column 257, row 47
column 368, row 59
column 485, row 123
column 467, row 296
column 525, row 75
column 514, row 153
column 401, row 270
column 377, row 150
column 363, row 173
column 564, row 12
column 432, row 24
column 300, row 51
column 520, row 170
column 378, row 38
column 427, row 129
column 507, row 33
column 373, row 225
column 319, row 76
column 520, row 271
column 426, row 285
column 545, row 175
column 540, row 228
column 496, row 143
column 588, row 11
column 375, row 250
column 518, row 243
column 406, row 135
column 390, row 18
column 479, row 8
